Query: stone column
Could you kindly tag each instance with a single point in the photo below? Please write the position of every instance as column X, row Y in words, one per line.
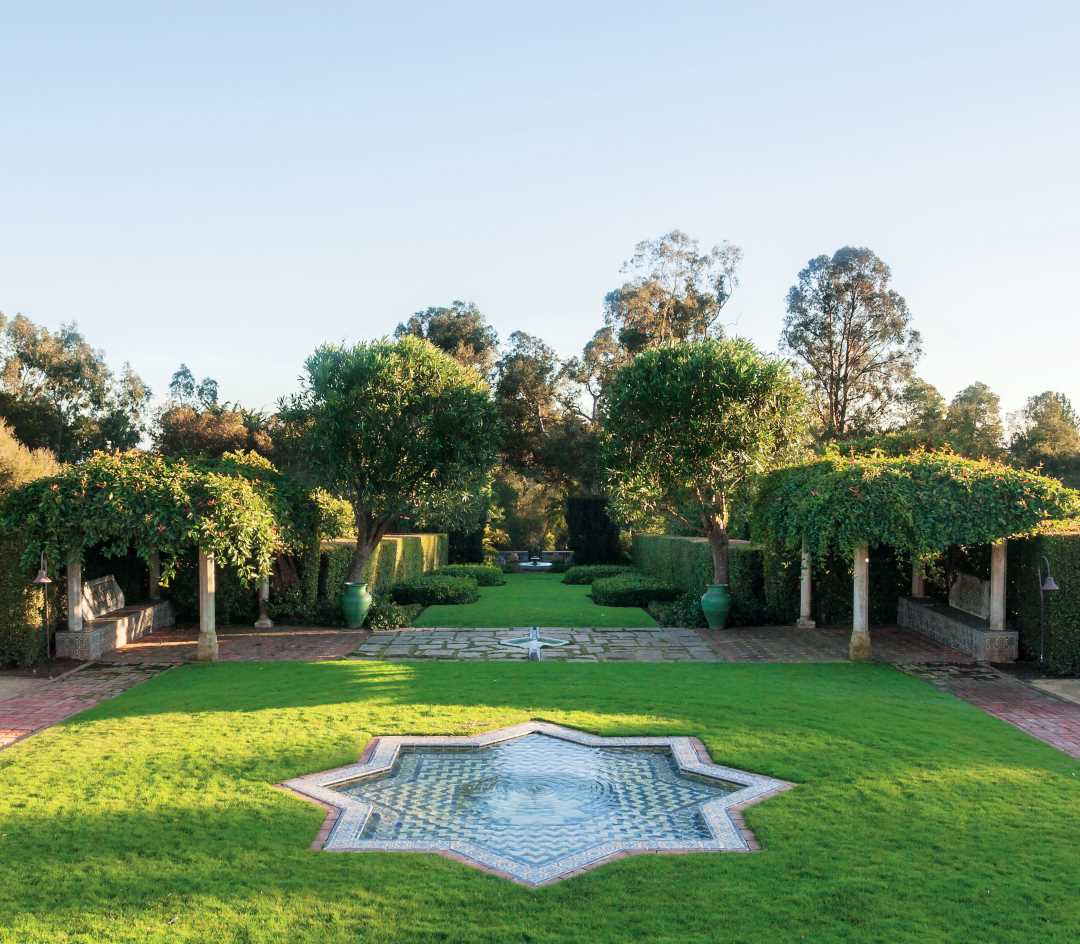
column 806, row 620
column 155, row 576
column 207, row 650
column 997, row 585
column 74, row 592
column 859, row 647
column 264, row 621
column 918, row 579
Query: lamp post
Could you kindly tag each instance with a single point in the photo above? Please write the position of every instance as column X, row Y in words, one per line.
column 1046, row 585
column 42, row 580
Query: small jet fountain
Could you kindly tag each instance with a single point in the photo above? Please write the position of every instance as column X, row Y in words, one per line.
column 534, row 644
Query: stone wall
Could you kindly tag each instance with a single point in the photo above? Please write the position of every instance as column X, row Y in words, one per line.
column 957, row 629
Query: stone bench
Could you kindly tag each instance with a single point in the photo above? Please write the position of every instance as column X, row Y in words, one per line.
column 109, row 623
column 959, row 630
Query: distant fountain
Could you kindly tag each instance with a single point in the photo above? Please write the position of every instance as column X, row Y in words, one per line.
column 534, row 644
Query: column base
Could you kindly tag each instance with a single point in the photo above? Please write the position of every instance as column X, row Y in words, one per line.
column 264, row 622
column 805, row 624
column 859, row 647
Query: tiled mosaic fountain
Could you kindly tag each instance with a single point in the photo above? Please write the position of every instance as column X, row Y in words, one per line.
column 536, row 802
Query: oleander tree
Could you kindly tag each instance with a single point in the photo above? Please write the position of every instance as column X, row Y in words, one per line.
column 401, row 430
column 691, row 425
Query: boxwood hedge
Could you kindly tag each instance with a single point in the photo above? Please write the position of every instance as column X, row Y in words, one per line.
column 435, row 589
column 631, row 590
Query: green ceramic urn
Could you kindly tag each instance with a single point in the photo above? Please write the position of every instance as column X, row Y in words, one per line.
column 716, row 602
column 355, row 603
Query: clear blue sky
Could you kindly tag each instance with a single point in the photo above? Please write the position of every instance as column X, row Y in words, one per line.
column 230, row 185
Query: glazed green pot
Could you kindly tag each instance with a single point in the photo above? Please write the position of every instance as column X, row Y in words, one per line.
column 716, row 602
column 355, row 603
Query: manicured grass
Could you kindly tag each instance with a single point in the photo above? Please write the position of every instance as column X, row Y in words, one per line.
column 534, row 600
column 917, row 818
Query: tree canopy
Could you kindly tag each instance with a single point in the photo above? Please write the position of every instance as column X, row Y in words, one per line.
column 852, row 334
column 690, row 424
column 399, row 429
column 460, row 329
column 921, row 503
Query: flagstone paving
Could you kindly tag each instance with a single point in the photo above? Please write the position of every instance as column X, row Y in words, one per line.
column 582, row 645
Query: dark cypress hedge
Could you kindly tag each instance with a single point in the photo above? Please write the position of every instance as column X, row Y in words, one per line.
column 591, row 534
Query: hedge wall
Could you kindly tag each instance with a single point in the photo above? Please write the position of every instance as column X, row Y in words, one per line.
column 1060, row 544
column 687, row 562
column 398, row 557
column 20, row 608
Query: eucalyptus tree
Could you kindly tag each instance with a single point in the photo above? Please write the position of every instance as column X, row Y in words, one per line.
column 460, row 329
column 400, row 429
column 851, row 333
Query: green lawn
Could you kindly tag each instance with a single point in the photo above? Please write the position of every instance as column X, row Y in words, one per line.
column 534, row 600
column 917, row 818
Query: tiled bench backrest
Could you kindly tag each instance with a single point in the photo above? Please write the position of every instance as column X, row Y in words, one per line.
column 101, row 596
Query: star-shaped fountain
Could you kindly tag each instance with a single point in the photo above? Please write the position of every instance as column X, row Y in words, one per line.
column 536, row 802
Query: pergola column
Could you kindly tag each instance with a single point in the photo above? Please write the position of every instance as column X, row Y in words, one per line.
column 918, row 579
column 806, row 598
column 859, row 647
column 155, row 576
column 997, row 585
column 207, row 649
column 264, row 621
column 74, row 592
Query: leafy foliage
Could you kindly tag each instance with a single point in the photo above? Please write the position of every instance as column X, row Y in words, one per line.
column 385, row 614
column 974, row 422
column 853, row 335
column 153, row 504
column 921, row 504
column 58, row 392
column 485, row 575
column 435, row 589
column 399, row 429
column 461, row 330
column 631, row 589
column 587, row 573
column 691, row 425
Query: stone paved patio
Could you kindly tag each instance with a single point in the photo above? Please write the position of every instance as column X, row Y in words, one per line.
column 758, row 644
column 50, row 701
column 583, row 645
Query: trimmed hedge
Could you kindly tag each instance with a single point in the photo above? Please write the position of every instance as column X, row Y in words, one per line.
column 587, row 573
column 590, row 532
column 436, row 589
column 398, row 557
column 1060, row 544
column 631, row 590
column 486, row 575
column 21, row 612
column 686, row 562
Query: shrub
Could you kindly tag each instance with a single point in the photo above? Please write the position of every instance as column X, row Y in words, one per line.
column 485, row 575
column 587, row 573
column 590, row 532
column 435, row 589
column 684, row 611
column 386, row 614
column 631, row 590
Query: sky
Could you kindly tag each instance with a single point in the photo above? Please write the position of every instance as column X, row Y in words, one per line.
column 231, row 185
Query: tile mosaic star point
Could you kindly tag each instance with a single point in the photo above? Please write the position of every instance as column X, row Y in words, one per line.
column 536, row 802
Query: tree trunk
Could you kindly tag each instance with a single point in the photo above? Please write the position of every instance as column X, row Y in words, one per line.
column 718, row 543
column 369, row 533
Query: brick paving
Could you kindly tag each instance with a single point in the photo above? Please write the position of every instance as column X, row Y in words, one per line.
column 582, row 645
column 242, row 644
column 1040, row 714
column 52, row 700
column 825, row 644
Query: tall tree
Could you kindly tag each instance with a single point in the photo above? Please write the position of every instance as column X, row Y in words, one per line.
column 852, row 335
column 399, row 429
column 974, row 422
column 460, row 329
column 57, row 392
column 526, row 392
column 675, row 292
column 1048, row 435
column 691, row 424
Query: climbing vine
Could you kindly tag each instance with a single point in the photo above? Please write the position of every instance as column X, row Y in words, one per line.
column 921, row 503
column 238, row 510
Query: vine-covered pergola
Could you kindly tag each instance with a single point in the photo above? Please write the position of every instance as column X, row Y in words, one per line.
column 238, row 511
column 921, row 504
